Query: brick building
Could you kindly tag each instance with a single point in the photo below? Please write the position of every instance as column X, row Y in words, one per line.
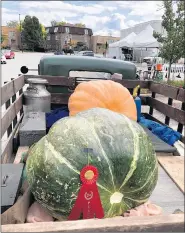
column 99, row 42
column 58, row 36
column 11, row 37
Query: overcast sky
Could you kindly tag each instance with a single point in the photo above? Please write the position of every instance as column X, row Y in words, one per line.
column 104, row 17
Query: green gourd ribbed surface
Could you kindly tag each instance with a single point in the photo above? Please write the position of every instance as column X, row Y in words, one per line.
column 122, row 153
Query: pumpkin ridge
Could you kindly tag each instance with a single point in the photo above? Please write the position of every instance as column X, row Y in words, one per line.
column 135, row 156
column 67, row 162
column 103, row 152
column 59, row 156
column 138, row 201
column 149, row 179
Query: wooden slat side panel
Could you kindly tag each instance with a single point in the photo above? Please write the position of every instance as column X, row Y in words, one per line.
column 7, row 91
column 133, row 83
column 169, row 223
column 7, row 150
column 70, row 81
column 19, row 83
column 60, row 98
column 57, row 98
column 181, row 95
column 174, row 113
column 10, row 114
column 164, row 89
column 11, row 88
column 54, row 80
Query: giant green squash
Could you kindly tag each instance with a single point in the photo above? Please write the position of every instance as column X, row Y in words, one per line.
column 122, row 152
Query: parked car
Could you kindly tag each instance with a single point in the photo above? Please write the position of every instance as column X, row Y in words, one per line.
column 86, row 53
column 3, row 59
column 9, row 54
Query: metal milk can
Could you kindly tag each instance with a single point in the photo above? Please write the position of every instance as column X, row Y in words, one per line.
column 36, row 96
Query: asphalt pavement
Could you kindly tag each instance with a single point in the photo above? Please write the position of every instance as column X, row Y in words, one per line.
column 12, row 68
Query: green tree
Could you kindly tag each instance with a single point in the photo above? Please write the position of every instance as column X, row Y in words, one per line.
column 3, row 38
column 173, row 42
column 12, row 23
column 19, row 26
column 61, row 23
column 33, row 34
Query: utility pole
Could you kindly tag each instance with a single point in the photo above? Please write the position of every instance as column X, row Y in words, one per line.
column 20, row 32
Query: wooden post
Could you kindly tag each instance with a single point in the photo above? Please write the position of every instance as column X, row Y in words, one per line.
column 7, row 105
column 13, row 100
column 167, row 119
column 151, row 109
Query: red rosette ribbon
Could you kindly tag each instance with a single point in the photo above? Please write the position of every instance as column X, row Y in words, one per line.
column 88, row 201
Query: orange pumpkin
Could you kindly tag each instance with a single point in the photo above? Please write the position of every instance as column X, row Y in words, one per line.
column 103, row 94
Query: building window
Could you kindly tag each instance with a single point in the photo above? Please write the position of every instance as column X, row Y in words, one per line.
column 56, row 29
column 57, row 37
column 47, row 30
column 86, row 31
column 67, row 30
column 48, row 37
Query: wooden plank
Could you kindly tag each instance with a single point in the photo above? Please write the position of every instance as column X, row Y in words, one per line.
column 174, row 166
column 18, row 212
column 164, row 89
column 54, row 80
column 132, row 83
column 174, row 113
column 10, row 114
column 11, row 88
column 19, row 83
column 181, row 95
column 160, row 195
column 20, row 151
column 7, row 150
column 169, row 223
column 60, row 98
column 7, row 91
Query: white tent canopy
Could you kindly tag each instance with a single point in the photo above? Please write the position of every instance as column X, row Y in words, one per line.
column 145, row 39
column 126, row 42
column 143, row 44
column 115, row 44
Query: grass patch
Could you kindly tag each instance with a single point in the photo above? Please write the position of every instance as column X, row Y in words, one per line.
column 175, row 83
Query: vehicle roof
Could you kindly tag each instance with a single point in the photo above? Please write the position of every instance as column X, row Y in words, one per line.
column 62, row 65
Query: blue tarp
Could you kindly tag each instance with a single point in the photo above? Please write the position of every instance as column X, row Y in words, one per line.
column 165, row 133
column 56, row 115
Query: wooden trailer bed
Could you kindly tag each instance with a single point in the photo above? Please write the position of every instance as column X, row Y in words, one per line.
column 169, row 192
